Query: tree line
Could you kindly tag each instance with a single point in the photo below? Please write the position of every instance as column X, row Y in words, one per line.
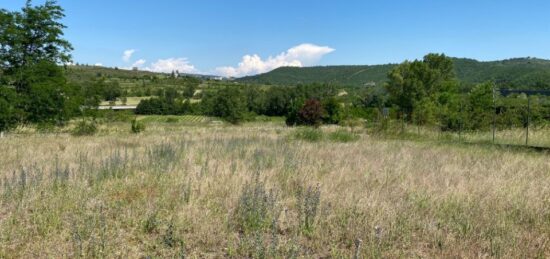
column 34, row 89
column 422, row 92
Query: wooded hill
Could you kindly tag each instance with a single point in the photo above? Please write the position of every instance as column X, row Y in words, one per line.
column 518, row 73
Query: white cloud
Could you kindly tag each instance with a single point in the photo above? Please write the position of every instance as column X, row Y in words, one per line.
column 298, row 56
column 98, row 65
column 172, row 64
column 127, row 55
column 139, row 63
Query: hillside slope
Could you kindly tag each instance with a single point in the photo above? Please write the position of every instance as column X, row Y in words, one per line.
column 520, row 73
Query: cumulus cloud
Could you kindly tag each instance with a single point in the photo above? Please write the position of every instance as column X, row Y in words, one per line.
column 98, row 64
column 298, row 56
column 172, row 64
column 139, row 63
column 127, row 55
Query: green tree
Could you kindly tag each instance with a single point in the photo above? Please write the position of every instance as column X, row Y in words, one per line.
column 333, row 111
column 32, row 35
column 413, row 82
column 481, row 106
column 228, row 103
column 31, row 48
column 8, row 109
column 189, row 91
column 48, row 97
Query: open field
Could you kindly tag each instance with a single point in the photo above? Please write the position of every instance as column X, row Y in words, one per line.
column 258, row 190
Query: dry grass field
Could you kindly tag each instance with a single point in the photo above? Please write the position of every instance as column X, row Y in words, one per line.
column 267, row 191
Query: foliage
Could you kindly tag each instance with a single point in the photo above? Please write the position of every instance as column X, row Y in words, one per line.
column 31, row 36
column 31, row 48
column 308, row 134
column 518, row 73
column 480, row 106
column 311, row 113
column 137, row 126
column 343, row 136
column 419, row 81
column 85, row 128
column 255, row 208
column 333, row 111
column 8, row 108
column 308, row 201
column 47, row 96
column 163, row 106
column 228, row 103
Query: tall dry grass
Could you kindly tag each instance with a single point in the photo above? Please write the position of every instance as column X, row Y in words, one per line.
column 256, row 191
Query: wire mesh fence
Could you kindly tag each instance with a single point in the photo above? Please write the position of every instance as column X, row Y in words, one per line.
column 516, row 118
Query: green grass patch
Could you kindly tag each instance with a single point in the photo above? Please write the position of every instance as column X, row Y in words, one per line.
column 308, row 134
column 343, row 136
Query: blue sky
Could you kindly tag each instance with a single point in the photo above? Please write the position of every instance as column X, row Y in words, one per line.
column 214, row 37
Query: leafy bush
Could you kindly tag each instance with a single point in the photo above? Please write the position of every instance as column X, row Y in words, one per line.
column 333, row 111
column 172, row 120
column 311, row 113
column 137, row 126
column 308, row 134
column 343, row 136
column 115, row 116
column 85, row 128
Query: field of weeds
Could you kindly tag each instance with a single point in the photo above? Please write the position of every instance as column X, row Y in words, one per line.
column 268, row 192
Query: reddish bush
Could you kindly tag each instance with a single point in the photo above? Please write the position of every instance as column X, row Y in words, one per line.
column 311, row 113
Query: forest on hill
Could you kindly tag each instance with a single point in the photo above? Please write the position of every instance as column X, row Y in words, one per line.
column 518, row 73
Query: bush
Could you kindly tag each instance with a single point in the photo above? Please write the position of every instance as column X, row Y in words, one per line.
column 172, row 120
column 308, row 201
column 137, row 126
column 343, row 136
column 85, row 128
column 116, row 116
column 256, row 208
column 45, row 127
column 308, row 134
column 311, row 113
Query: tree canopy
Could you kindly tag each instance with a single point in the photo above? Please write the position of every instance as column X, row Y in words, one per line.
column 33, row 86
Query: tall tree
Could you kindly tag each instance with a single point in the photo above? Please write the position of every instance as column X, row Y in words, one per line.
column 31, row 49
column 35, row 34
column 414, row 83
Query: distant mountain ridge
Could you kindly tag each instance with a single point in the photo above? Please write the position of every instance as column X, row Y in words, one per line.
column 516, row 73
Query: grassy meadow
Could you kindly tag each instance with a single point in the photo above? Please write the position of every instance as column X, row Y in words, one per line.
column 262, row 190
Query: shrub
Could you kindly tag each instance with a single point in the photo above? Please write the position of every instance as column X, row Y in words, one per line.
column 311, row 113
column 333, row 111
column 116, row 116
column 85, row 128
column 172, row 120
column 45, row 127
column 137, row 126
column 308, row 201
column 150, row 225
column 353, row 123
column 256, row 207
column 343, row 136
column 308, row 134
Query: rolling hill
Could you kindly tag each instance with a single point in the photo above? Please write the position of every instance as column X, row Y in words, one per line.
column 518, row 73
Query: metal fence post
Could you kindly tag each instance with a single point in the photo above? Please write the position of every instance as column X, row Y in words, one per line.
column 528, row 120
column 460, row 121
column 494, row 113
